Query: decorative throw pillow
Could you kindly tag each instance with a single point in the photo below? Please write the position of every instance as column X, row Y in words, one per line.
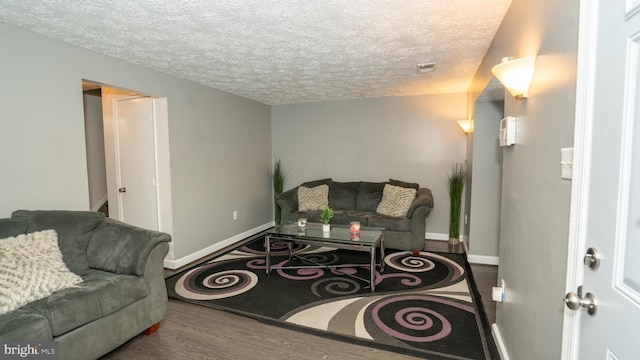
column 315, row 198
column 32, row 269
column 396, row 200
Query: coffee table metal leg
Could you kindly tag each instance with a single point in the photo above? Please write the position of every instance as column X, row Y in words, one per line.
column 382, row 254
column 267, row 248
column 373, row 269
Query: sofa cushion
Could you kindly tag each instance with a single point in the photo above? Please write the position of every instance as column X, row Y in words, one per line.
column 314, row 198
column 369, row 195
column 389, row 223
column 32, row 268
column 12, row 227
column 23, row 325
column 101, row 294
column 396, row 200
column 74, row 230
column 342, row 195
column 344, row 217
column 404, row 184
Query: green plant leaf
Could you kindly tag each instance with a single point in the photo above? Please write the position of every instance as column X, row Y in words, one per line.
column 326, row 214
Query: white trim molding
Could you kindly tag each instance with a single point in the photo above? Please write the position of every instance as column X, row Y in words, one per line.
column 478, row 259
column 631, row 8
column 185, row 260
column 100, row 203
column 579, row 208
column 436, row 236
column 497, row 337
column 483, row 260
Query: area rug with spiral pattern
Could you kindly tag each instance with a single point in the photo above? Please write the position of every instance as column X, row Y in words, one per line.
column 424, row 305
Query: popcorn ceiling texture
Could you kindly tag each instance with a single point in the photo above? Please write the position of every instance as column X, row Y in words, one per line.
column 282, row 51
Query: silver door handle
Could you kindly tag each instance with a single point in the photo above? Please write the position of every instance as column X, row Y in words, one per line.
column 576, row 301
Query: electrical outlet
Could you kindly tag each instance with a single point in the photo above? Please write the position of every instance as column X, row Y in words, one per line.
column 235, row 215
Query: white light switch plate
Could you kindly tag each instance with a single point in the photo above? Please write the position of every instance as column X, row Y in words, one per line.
column 567, row 162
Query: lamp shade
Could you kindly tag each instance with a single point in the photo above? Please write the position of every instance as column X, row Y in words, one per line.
column 466, row 126
column 515, row 75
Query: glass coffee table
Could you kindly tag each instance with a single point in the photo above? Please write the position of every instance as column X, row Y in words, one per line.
column 369, row 240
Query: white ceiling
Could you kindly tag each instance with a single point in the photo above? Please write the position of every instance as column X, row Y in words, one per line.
column 282, row 51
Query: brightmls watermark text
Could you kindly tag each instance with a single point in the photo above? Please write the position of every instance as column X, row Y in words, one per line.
column 32, row 350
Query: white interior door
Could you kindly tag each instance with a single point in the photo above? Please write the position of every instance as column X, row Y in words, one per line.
column 612, row 197
column 136, row 162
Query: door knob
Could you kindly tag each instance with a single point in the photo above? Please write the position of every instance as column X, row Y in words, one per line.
column 576, row 301
column 122, row 190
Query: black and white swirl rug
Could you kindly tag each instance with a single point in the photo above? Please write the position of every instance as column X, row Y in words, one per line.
column 424, row 305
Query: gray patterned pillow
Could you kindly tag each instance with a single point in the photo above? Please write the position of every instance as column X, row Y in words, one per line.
column 32, row 269
column 315, row 198
column 396, row 200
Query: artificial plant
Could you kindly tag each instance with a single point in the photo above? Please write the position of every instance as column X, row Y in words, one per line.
column 326, row 214
column 278, row 178
column 455, row 183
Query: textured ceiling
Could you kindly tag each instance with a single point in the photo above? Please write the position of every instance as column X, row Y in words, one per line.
column 281, row 51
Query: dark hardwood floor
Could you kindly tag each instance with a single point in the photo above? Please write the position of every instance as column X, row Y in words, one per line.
column 197, row 332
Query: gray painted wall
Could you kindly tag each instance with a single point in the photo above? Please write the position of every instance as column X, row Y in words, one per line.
column 220, row 143
column 535, row 200
column 409, row 138
column 486, row 188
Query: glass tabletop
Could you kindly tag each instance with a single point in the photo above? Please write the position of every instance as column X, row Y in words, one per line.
column 338, row 233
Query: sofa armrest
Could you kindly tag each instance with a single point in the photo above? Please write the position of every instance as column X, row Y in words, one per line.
column 288, row 202
column 154, row 277
column 121, row 248
column 424, row 198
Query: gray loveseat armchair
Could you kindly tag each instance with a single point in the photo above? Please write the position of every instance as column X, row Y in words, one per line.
column 123, row 292
column 358, row 201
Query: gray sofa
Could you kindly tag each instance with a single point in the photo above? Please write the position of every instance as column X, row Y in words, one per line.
column 123, row 292
column 358, row 201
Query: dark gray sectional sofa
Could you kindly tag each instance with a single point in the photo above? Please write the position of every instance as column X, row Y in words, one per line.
column 122, row 294
column 358, row 201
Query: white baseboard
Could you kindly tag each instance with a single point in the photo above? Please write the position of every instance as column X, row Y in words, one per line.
column 436, row 236
column 99, row 204
column 502, row 350
column 484, row 260
column 185, row 260
column 478, row 259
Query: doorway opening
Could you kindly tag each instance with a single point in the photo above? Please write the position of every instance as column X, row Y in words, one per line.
column 94, row 143
column 128, row 156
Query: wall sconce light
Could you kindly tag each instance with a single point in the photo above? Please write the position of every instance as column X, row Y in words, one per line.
column 466, row 125
column 515, row 75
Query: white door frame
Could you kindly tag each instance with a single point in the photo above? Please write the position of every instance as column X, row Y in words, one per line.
column 582, row 144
